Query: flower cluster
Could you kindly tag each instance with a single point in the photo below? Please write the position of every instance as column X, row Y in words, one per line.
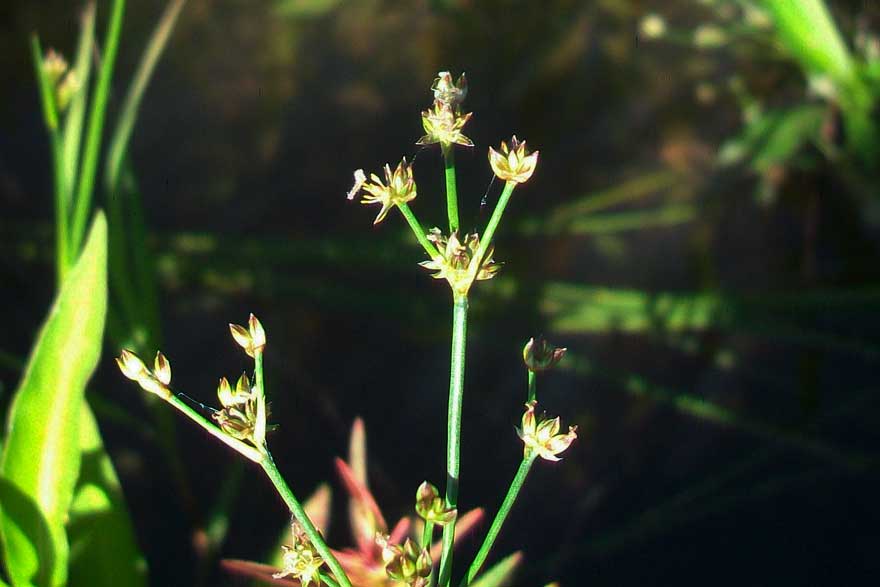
column 399, row 188
column 443, row 121
column 540, row 355
column 154, row 381
column 252, row 339
column 513, row 163
column 406, row 563
column 300, row 560
column 457, row 261
column 61, row 78
column 430, row 506
column 238, row 418
column 541, row 436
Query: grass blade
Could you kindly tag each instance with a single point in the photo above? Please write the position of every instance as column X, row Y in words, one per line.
column 76, row 112
column 86, row 181
column 41, row 457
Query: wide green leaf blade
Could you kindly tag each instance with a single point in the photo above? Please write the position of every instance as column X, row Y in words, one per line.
column 41, row 457
column 103, row 550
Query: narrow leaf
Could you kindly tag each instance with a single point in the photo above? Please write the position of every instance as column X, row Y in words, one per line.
column 501, row 573
column 73, row 120
column 41, row 457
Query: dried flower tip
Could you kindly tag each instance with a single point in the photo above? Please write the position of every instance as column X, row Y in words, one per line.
column 541, row 435
column 359, row 180
column 131, row 365
column 54, row 66
column 514, row 163
column 252, row 339
column 399, row 188
column 431, row 507
column 457, row 262
column 443, row 125
column 540, row 355
column 300, row 560
column 162, row 369
column 448, row 92
column 258, row 334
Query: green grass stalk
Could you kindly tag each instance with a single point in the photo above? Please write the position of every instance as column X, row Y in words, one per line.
column 86, row 181
column 451, row 188
column 489, row 233
column 417, row 229
column 532, row 385
column 512, row 493
column 453, row 447
column 300, row 514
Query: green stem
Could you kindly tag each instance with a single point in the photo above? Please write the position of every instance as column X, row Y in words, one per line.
column 417, row 229
column 533, row 388
column 260, row 427
column 327, row 579
column 427, row 534
column 451, row 190
column 489, row 233
column 50, row 118
column 242, row 448
column 86, row 179
column 300, row 514
column 453, row 447
column 512, row 493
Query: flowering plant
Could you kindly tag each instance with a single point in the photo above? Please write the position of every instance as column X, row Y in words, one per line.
column 405, row 554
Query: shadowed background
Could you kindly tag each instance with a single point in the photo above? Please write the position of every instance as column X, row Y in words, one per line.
column 720, row 306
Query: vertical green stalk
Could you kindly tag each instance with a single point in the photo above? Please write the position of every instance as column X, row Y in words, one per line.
column 260, row 428
column 451, row 189
column 417, row 229
column 453, row 446
column 489, row 233
column 532, row 385
column 82, row 203
column 300, row 514
column 50, row 117
column 518, row 480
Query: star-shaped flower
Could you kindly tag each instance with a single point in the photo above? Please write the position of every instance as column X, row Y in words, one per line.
column 513, row 163
column 542, row 436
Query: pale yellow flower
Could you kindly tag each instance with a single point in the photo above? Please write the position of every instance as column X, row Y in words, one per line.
column 514, row 163
column 542, row 436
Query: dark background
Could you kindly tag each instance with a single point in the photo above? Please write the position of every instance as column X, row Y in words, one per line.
column 736, row 449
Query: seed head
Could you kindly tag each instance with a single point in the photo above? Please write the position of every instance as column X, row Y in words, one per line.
column 540, row 355
column 252, row 339
column 156, row 382
column 430, row 506
column 443, row 124
column 448, row 92
column 457, row 262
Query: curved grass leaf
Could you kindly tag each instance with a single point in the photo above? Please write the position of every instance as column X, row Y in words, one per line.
column 41, row 458
column 103, row 550
column 501, row 572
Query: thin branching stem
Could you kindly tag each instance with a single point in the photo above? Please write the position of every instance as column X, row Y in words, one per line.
column 532, row 385
column 451, row 188
column 489, row 233
column 512, row 493
column 453, row 446
column 299, row 513
column 242, row 448
column 417, row 229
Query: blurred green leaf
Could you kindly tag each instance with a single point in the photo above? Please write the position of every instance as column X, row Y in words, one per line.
column 304, row 8
column 103, row 550
column 501, row 572
column 41, row 458
column 76, row 112
column 773, row 138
